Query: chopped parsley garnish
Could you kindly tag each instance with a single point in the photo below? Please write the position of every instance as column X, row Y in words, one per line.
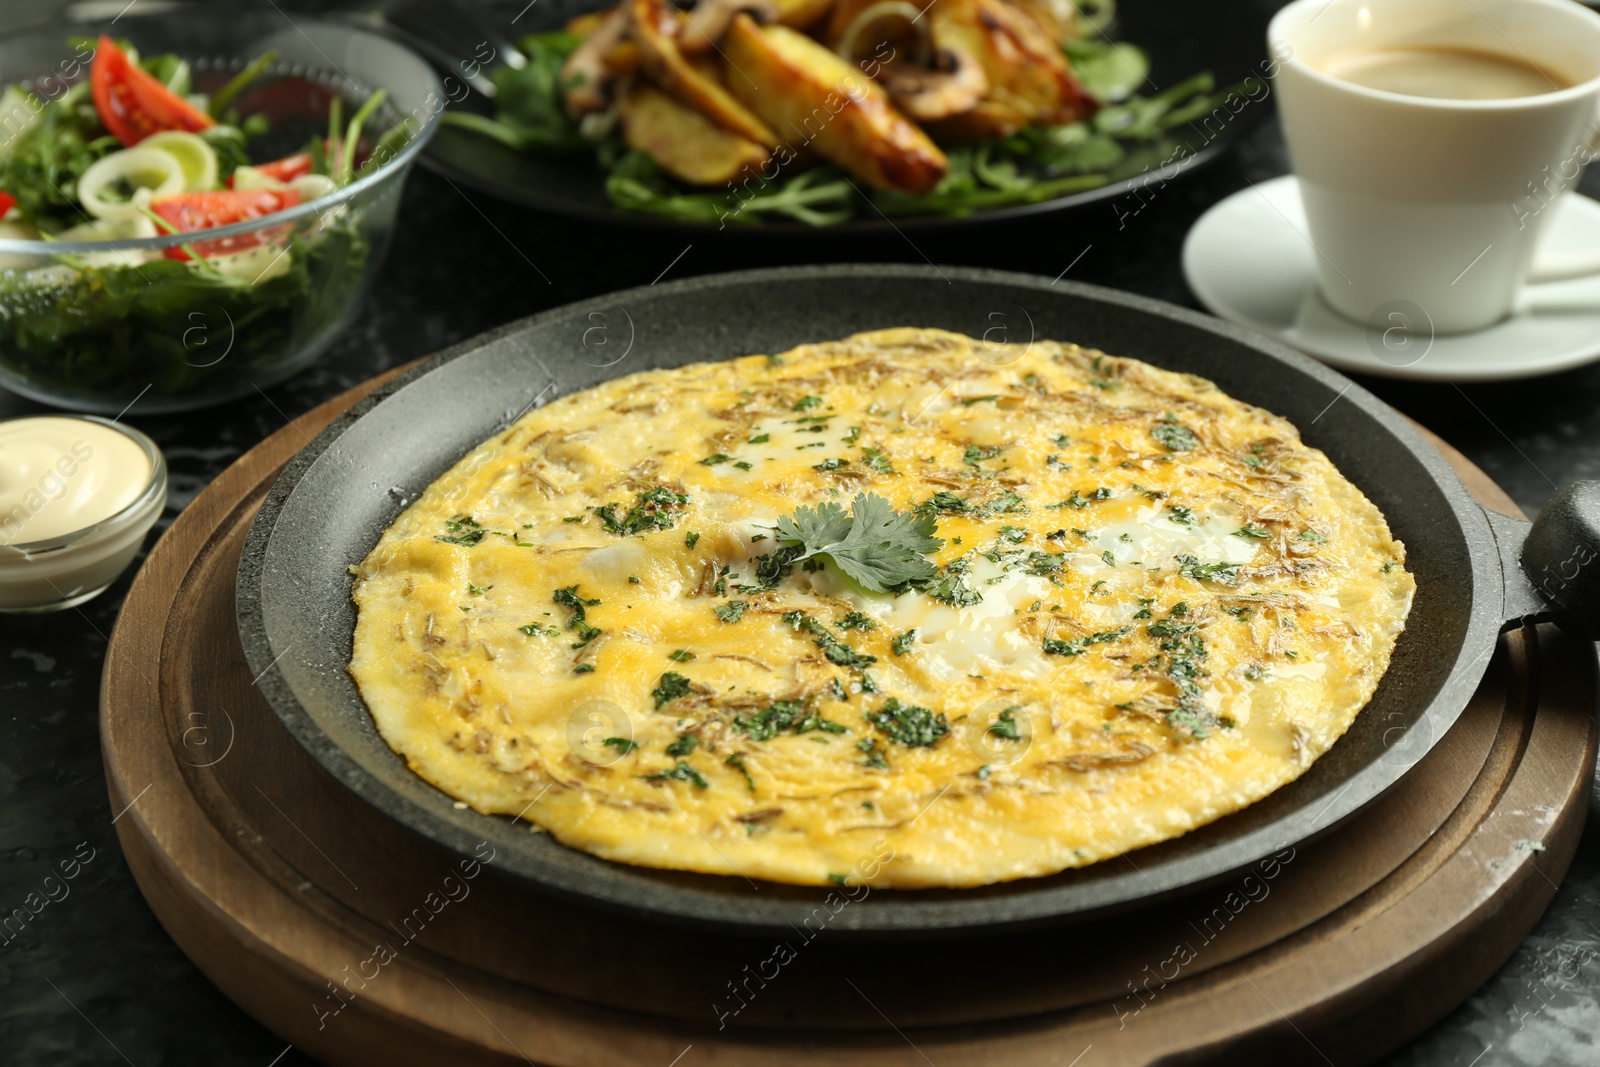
column 1013, row 534
column 736, row 761
column 1006, row 725
column 742, row 465
column 712, row 461
column 682, row 655
column 976, row 454
column 1181, row 515
column 462, row 530
column 1109, row 559
column 1078, row 500
column 732, row 611
column 830, row 465
column 852, row 435
column 1174, row 435
column 1252, row 531
column 971, row 400
column 909, row 724
column 682, row 772
column 876, row 461
column 902, row 642
column 1044, row 565
column 857, row 621
column 670, row 687
column 570, row 598
column 621, row 744
column 1312, row 535
column 1221, row 573
column 806, row 403
column 1007, row 503
column 533, row 629
column 875, row 547
column 761, row 439
column 874, row 759
column 950, row 586
column 683, row 745
column 782, row 716
column 944, row 504
column 1062, row 442
column 690, row 538
column 1076, row 646
column 478, row 590
column 653, row 509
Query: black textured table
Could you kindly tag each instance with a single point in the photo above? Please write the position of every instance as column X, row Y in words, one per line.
column 92, row 978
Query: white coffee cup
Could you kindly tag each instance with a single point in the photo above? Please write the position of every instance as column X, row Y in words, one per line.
column 1438, row 204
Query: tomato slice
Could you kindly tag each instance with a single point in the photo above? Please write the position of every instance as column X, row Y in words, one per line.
column 132, row 103
column 7, row 202
column 288, row 168
column 190, row 212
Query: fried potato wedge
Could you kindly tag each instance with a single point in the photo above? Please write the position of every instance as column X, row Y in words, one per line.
column 684, row 142
column 1030, row 79
column 656, row 26
column 815, row 99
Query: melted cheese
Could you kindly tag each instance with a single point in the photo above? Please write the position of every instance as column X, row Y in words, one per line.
column 1167, row 608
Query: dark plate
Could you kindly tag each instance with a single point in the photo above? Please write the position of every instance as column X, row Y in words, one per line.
column 335, row 499
column 1182, row 38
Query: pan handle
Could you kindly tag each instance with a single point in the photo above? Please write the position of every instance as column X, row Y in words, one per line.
column 1552, row 565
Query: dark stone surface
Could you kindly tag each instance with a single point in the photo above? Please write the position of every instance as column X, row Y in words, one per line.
column 93, row 979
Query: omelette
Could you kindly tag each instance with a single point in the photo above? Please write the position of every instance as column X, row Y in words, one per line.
column 909, row 609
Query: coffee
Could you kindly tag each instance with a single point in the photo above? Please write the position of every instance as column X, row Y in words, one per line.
column 1444, row 73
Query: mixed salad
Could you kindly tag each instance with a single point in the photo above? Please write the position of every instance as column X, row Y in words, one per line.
column 818, row 111
column 133, row 152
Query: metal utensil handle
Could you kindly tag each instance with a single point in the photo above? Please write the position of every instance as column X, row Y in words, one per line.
column 1552, row 565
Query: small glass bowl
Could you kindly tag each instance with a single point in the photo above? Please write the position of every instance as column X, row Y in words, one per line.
column 93, row 325
column 63, row 572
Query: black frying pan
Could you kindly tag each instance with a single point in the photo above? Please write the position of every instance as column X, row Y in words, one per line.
column 337, row 496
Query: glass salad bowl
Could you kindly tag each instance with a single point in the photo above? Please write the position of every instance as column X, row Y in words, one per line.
column 142, row 261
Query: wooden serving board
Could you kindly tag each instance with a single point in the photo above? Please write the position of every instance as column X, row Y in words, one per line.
column 361, row 943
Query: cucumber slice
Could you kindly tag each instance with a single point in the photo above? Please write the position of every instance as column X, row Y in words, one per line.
column 312, row 186
column 247, row 177
column 112, row 230
column 117, row 186
column 19, row 110
column 198, row 159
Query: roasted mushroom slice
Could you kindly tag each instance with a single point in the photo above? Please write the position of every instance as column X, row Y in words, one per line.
column 953, row 86
column 657, row 28
column 684, row 142
column 586, row 76
column 708, row 20
column 1028, row 73
column 818, row 101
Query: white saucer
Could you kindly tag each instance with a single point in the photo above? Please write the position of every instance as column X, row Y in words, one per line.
column 1249, row 261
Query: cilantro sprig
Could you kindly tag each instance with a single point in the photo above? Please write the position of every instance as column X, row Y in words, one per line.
column 874, row 546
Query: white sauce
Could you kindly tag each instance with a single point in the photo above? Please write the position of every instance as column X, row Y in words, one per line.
column 61, row 475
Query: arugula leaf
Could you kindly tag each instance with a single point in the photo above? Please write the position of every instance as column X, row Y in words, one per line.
column 875, row 547
column 530, row 113
column 820, row 196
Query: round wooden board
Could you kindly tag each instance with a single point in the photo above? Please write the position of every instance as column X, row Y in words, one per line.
column 360, row 943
